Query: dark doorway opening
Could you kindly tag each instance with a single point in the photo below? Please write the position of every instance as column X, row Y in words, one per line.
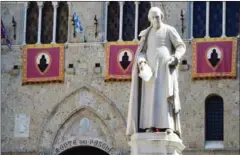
column 84, row 150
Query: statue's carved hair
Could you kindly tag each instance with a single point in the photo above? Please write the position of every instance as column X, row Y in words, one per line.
column 155, row 9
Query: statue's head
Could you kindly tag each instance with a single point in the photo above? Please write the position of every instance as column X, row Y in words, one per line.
column 155, row 16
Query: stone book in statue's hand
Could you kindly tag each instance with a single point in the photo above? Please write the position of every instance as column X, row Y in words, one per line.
column 145, row 72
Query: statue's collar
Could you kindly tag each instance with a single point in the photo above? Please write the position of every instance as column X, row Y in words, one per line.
column 161, row 27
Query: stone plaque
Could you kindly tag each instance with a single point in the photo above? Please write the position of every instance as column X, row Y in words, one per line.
column 22, row 125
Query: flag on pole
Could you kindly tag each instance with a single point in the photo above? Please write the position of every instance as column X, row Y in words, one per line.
column 4, row 34
column 77, row 24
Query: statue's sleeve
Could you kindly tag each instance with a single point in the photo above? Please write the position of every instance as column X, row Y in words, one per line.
column 177, row 43
column 140, row 55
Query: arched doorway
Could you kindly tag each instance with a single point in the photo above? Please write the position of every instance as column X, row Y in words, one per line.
column 84, row 150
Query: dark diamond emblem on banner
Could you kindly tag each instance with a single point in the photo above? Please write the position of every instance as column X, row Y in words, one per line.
column 125, row 58
column 214, row 56
column 43, row 61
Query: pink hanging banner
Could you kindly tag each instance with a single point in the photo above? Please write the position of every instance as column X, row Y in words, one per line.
column 120, row 56
column 43, row 63
column 214, row 58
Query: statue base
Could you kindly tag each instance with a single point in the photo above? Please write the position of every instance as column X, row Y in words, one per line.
column 161, row 143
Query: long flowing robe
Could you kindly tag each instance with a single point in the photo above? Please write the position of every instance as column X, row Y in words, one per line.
column 158, row 98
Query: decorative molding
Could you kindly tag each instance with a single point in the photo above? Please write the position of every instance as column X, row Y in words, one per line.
column 55, row 4
column 40, row 4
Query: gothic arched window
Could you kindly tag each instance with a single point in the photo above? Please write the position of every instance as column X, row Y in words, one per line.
column 215, row 19
column 143, row 21
column 232, row 18
column 62, row 22
column 113, row 21
column 214, row 118
column 223, row 19
column 47, row 23
column 128, row 20
column 125, row 20
column 32, row 23
column 199, row 19
column 53, row 21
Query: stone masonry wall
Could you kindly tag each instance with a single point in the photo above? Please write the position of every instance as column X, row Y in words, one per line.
column 39, row 100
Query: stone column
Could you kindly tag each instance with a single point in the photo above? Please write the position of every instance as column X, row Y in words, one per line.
column 55, row 5
column 25, row 22
column 40, row 6
column 105, row 20
column 191, row 20
column 69, row 15
column 136, row 21
column 207, row 20
column 120, row 21
column 224, row 19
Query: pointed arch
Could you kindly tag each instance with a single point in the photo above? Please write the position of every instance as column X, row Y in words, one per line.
column 128, row 20
column 62, row 22
column 143, row 21
column 232, row 16
column 90, row 110
column 113, row 21
column 47, row 23
column 109, row 101
column 90, row 149
column 32, row 23
column 52, row 122
column 214, row 118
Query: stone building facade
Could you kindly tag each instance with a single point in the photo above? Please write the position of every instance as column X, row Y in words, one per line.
column 85, row 110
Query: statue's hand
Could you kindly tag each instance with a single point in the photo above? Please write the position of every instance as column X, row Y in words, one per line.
column 141, row 64
column 176, row 111
column 173, row 62
column 128, row 137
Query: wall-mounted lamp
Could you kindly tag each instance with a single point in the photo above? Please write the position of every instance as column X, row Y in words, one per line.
column 70, row 69
column 14, row 28
column 184, row 66
column 85, row 38
column 97, row 69
column 96, row 24
column 182, row 19
column 14, row 71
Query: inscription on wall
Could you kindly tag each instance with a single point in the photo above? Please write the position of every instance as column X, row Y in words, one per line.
column 84, row 142
column 22, row 125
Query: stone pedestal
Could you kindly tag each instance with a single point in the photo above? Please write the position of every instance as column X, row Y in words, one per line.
column 161, row 143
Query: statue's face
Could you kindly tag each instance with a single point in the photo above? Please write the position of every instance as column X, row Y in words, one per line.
column 156, row 19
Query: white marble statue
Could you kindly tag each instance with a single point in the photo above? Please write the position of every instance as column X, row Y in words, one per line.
column 154, row 97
